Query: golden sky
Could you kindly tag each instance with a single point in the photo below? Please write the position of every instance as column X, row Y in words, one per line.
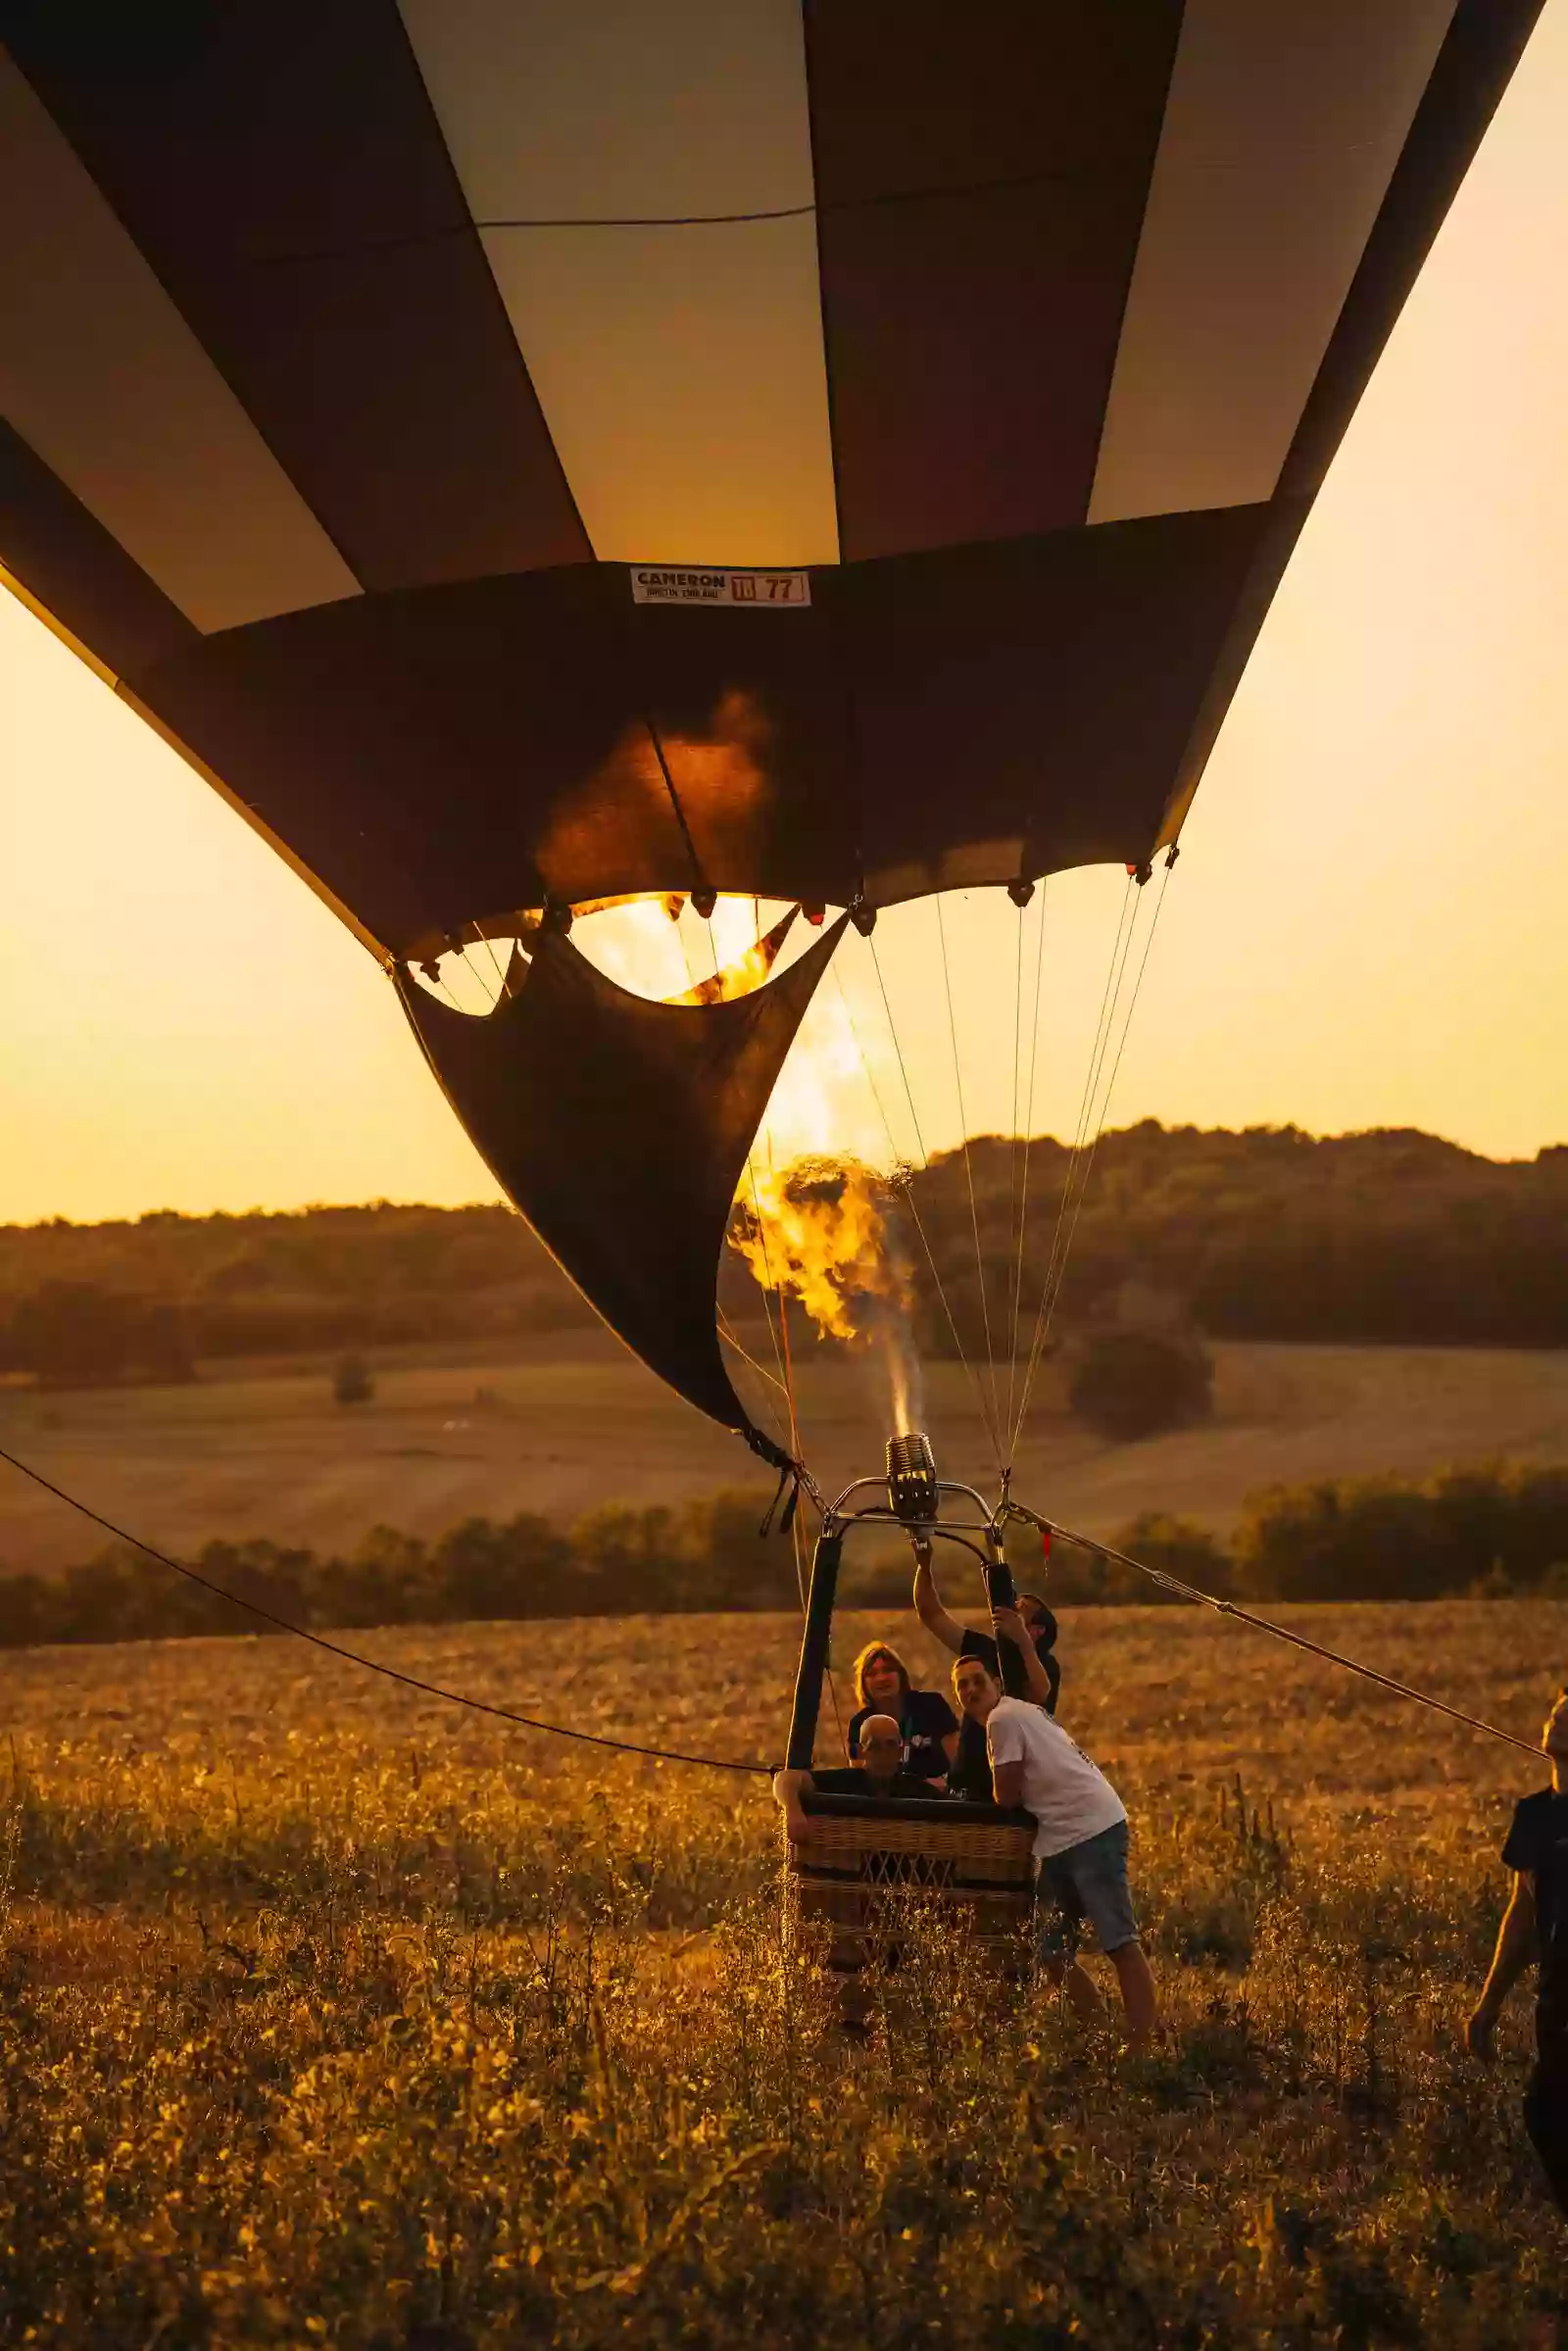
column 1365, row 927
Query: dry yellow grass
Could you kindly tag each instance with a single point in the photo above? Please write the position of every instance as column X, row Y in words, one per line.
column 336, row 2013
column 569, row 1424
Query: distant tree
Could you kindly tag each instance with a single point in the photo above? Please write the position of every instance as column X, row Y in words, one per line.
column 78, row 1335
column 523, row 1568
column 1128, row 1384
column 351, row 1382
column 1176, row 1546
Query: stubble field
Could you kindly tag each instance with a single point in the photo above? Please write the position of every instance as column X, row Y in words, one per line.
column 338, row 2014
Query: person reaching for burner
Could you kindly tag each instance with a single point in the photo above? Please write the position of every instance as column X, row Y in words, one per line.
column 879, row 1772
column 1029, row 1616
column 1535, row 1929
column 928, row 1723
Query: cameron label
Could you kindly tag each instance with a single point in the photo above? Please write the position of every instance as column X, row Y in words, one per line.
column 763, row 591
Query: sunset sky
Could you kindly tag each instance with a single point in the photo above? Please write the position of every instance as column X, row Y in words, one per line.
column 1365, row 928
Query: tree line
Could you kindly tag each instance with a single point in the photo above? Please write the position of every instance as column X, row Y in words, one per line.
column 1393, row 1236
column 1481, row 1532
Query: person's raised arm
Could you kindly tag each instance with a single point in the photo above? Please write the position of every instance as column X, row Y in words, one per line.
column 1011, row 1627
column 1516, row 1948
column 787, row 1786
column 928, row 1605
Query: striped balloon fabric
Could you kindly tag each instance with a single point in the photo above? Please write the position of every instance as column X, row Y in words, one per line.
column 526, row 450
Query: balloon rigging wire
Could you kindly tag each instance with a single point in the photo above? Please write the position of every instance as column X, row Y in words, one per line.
column 1016, row 1312
column 1056, row 1268
column 1111, row 1082
column 1049, row 1307
column 788, row 1392
column 914, row 1116
column 1012, row 1160
column 908, row 1187
column 372, row 1665
column 489, row 947
column 992, row 1429
column 727, row 1332
column 767, row 1288
column 674, row 802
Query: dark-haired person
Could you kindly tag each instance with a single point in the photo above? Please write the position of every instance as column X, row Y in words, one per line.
column 1080, row 1859
column 1535, row 1929
column 1029, row 1615
column 930, row 1727
column 879, row 1772
column 976, row 1687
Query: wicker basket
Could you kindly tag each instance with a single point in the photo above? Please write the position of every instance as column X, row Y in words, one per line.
column 866, row 1866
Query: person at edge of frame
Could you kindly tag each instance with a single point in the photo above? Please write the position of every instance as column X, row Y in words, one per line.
column 1535, row 1926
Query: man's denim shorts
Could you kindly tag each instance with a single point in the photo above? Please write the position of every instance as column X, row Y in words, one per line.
column 1088, row 1881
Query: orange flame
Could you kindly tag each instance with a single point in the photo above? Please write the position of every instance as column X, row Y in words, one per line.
column 814, row 1219
column 817, row 1231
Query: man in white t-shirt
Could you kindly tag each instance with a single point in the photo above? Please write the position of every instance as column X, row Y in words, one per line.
column 1080, row 1856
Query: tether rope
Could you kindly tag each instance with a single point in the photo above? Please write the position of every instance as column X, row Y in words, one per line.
column 371, row 1665
column 1263, row 1624
column 725, row 1763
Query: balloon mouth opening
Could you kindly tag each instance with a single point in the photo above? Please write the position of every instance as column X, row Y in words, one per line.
column 667, row 947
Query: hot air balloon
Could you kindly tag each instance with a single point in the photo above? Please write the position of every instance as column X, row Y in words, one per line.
column 826, row 452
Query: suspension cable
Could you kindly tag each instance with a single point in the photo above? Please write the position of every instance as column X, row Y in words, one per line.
column 490, row 950
column 1110, row 1088
column 893, row 1154
column 914, row 1116
column 1126, row 923
column 1050, row 1303
column 992, row 1429
column 370, row 1665
column 767, row 1289
column 1016, row 1308
column 1012, row 1157
column 1070, row 1202
column 726, row 1331
column 969, row 1371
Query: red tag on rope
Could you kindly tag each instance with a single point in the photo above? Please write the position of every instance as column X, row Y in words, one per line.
column 1044, row 1543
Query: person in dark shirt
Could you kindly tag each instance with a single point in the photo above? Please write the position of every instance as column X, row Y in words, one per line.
column 879, row 1772
column 929, row 1723
column 1028, row 1626
column 1535, row 1926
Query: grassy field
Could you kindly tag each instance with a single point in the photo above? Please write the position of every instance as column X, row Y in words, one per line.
column 561, row 1424
column 335, row 2014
